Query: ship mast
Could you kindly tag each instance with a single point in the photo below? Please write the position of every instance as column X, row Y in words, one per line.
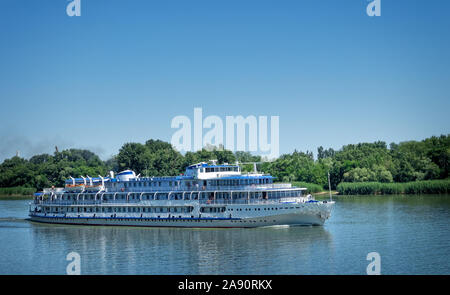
column 329, row 185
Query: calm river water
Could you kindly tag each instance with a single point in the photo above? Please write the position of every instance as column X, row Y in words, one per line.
column 411, row 234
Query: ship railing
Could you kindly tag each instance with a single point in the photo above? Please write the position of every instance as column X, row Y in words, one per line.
column 281, row 185
column 242, row 187
column 87, row 202
column 251, row 201
column 71, row 202
column 201, row 201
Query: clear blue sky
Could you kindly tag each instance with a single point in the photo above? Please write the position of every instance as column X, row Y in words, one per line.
column 123, row 69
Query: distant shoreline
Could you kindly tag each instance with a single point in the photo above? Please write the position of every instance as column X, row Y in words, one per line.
column 16, row 197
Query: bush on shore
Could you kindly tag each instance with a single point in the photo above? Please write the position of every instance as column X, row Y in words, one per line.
column 374, row 188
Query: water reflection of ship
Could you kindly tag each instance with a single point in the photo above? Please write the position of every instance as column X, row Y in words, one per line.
column 117, row 250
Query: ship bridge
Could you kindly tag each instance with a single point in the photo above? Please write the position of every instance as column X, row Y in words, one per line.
column 208, row 171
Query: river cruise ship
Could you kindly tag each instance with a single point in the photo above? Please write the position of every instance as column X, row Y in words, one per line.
column 206, row 195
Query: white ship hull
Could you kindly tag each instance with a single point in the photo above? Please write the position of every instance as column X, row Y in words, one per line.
column 293, row 214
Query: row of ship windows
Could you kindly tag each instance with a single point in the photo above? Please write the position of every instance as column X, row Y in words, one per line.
column 239, row 181
column 179, row 196
column 176, row 220
column 147, row 183
column 259, row 209
column 121, row 209
column 219, row 169
column 185, row 209
column 212, row 209
column 195, row 183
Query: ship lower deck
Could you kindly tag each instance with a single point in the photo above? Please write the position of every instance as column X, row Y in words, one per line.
column 191, row 222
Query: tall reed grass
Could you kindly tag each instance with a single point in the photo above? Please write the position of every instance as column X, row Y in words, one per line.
column 378, row 188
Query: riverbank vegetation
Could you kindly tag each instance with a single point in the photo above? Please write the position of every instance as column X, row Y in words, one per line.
column 17, row 191
column 406, row 167
column 380, row 188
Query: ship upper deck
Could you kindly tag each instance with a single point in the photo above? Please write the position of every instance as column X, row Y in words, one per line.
column 197, row 177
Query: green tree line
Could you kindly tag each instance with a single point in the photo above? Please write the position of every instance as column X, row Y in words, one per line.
column 405, row 162
column 367, row 162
